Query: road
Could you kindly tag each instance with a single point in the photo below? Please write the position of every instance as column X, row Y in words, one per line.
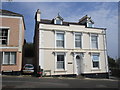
column 35, row 82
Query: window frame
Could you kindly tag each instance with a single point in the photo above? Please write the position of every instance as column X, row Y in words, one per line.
column 65, row 66
column 64, row 41
column 55, row 21
column 58, row 21
column 63, row 61
column 91, row 44
column 78, row 33
column 90, row 24
column 8, row 32
column 9, row 61
column 95, row 60
column 3, row 36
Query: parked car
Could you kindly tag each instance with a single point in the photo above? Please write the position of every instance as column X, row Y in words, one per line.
column 28, row 68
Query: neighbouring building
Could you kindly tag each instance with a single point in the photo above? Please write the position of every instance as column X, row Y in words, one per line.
column 70, row 48
column 12, row 28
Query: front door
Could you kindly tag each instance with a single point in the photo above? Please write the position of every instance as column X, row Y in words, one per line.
column 78, row 64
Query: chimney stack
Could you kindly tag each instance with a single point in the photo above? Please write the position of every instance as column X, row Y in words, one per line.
column 37, row 16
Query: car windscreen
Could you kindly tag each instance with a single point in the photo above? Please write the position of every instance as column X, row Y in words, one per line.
column 28, row 66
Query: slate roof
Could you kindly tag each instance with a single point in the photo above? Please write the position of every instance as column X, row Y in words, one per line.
column 85, row 18
column 46, row 21
column 9, row 13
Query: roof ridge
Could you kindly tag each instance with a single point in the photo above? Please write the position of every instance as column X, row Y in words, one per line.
column 10, row 13
column 63, row 21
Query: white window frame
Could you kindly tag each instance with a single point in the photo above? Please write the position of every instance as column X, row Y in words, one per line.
column 63, row 32
column 95, row 68
column 8, row 36
column 55, row 22
column 91, row 34
column 10, row 58
column 79, row 33
column 91, row 24
column 65, row 62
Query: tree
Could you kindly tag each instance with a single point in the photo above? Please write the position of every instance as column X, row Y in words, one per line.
column 118, row 63
column 28, row 50
column 111, row 62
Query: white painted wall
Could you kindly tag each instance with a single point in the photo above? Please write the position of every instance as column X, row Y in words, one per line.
column 47, row 48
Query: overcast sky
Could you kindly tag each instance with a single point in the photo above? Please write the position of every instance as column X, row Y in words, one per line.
column 104, row 14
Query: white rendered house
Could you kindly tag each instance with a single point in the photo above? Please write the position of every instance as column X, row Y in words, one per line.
column 70, row 48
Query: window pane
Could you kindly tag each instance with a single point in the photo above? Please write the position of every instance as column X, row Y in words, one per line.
column 6, row 58
column 90, row 24
column 58, row 21
column 77, row 37
column 13, row 58
column 0, row 42
column 94, row 42
column 77, row 44
column 4, row 42
column 60, row 43
column 94, row 38
column 94, row 45
column 4, row 32
column 60, row 40
column 60, row 65
column 60, row 36
column 96, row 64
column 78, row 40
column 60, row 61
column 3, row 36
column 0, row 32
column 60, row 57
column 95, row 57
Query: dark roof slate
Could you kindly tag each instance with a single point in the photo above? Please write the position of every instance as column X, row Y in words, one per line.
column 46, row 21
column 9, row 13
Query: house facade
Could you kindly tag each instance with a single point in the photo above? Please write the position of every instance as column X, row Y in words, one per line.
column 70, row 48
column 11, row 41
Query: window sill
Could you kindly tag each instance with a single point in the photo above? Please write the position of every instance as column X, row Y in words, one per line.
column 3, row 45
column 95, row 48
column 95, row 69
column 78, row 48
column 61, row 70
column 9, row 64
column 60, row 47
